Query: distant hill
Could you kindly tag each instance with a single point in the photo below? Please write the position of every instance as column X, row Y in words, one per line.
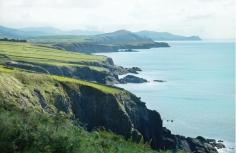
column 120, row 37
column 112, row 38
column 117, row 37
column 54, row 31
column 108, row 42
column 39, row 31
column 165, row 36
column 84, row 32
column 29, row 32
column 12, row 33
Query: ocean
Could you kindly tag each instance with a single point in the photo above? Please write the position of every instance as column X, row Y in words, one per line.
column 198, row 94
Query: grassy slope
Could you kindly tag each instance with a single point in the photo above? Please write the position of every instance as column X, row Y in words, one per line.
column 120, row 37
column 60, row 39
column 27, row 52
column 31, row 130
column 6, row 73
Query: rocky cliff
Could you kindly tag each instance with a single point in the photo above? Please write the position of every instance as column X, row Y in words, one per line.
column 96, row 47
column 96, row 106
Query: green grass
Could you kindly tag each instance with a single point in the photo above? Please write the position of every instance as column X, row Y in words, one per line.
column 27, row 52
column 45, row 80
column 31, row 132
column 105, row 89
column 60, row 39
column 25, row 128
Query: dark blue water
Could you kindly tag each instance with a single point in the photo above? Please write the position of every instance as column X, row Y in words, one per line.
column 199, row 92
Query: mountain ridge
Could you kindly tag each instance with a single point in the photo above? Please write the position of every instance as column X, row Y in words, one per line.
column 28, row 32
column 165, row 36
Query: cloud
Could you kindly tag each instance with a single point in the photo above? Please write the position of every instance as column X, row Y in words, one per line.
column 181, row 17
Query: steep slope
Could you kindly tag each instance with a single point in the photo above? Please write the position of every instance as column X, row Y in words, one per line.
column 52, row 61
column 119, row 37
column 165, row 36
column 71, row 41
column 108, row 42
column 96, row 106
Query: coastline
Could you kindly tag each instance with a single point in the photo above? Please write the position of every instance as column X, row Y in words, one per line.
column 137, row 89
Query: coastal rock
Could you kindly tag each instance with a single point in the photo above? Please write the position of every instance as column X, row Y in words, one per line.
column 120, row 112
column 134, row 70
column 132, row 79
column 159, row 80
column 109, row 76
column 96, row 47
column 84, row 73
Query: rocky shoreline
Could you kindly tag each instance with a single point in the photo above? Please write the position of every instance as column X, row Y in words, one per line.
column 96, row 48
column 123, row 113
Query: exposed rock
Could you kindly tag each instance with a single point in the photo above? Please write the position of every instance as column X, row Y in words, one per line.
column 126, row 50
column 134, row 70
column 84, row 73
column 132, row 79
column 159, row 80
column 122, row 113
column 96, row 47
column 219, row 145
column 109, row 77
column 26, row 66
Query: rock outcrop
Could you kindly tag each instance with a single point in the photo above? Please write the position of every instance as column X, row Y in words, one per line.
column 108, row 76
column 96, row 48
column 118, row 111
column 132, row 79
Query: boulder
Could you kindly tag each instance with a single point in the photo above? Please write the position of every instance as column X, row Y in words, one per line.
column 159, row 80
column 132, row 79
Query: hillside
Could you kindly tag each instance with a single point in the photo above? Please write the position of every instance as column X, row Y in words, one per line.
column 13, row 33
column 29, row 32
column 45, row 92
column 165, row 36
column 56, row 103
column 108, row 42
column 31, row 57
column 81, row 41
column 119, row 37
column 44, row 31
column 37, row 114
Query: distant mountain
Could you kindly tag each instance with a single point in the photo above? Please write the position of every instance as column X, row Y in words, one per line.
column 117, row 37
column 84, row 32
column 108, row 42
column 39, row 31
column 54, row 31
column 165, row 36
column 28, row 32
column 12, row 33
column 120, row 37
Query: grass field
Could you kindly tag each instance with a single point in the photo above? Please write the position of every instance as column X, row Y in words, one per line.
column 28, row 52
column 60, row 39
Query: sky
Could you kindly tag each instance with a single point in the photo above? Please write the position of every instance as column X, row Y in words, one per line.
column 210, row 19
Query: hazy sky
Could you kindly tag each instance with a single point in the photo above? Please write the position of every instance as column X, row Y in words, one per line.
column 207, row 18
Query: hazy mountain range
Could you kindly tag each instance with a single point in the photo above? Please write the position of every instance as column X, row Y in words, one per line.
column 166, row 36
column 30, row 32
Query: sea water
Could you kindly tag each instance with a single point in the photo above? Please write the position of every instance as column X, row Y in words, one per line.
column 198, row 94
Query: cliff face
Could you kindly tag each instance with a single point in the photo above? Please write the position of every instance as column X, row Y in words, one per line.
column 105, row 73
column 95, row 106
column 97, row 47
